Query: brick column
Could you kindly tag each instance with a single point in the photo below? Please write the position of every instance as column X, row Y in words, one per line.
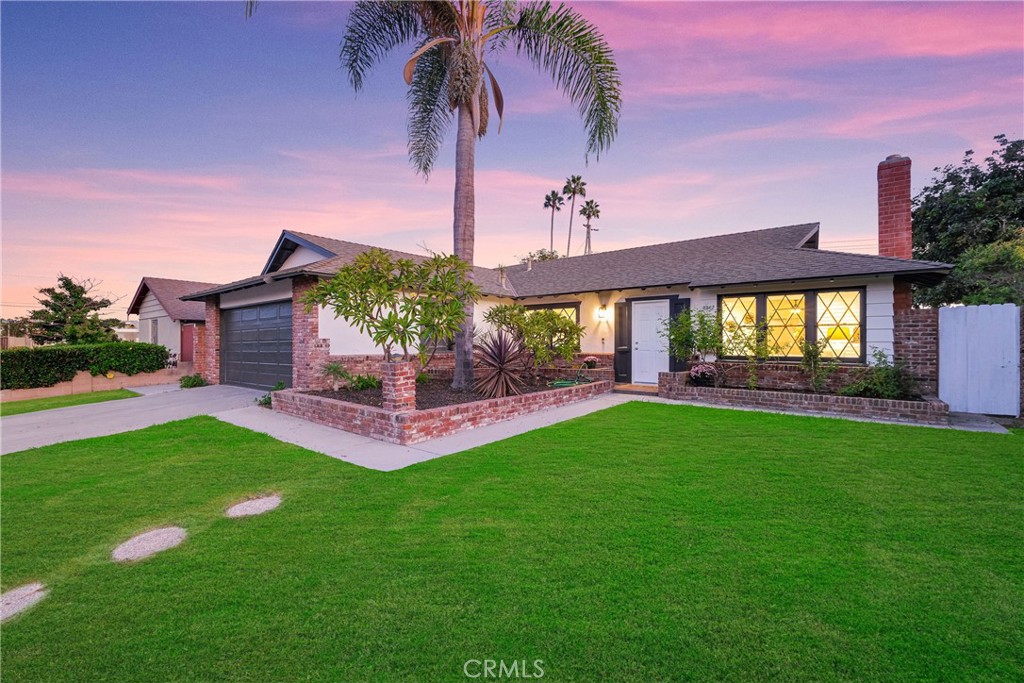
column 916, row 342
column 210, row 349
column 198, row 348
column 309, row 352
column 399, row 385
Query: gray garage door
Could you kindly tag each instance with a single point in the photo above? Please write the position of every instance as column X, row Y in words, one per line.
column 256, row 345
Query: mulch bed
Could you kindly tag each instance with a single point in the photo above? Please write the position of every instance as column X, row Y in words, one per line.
column 437, row 393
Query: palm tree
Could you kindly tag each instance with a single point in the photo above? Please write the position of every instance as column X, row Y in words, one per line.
column 574, row 186
column 448, row 78
column 553, row 201
column 589, row 210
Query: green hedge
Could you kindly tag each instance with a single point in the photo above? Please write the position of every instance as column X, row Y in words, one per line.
column 44, row 366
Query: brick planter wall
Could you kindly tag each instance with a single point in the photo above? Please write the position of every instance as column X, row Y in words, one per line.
column 414, row 426
column 309, row 352
column 786, row 376
column 673, row 385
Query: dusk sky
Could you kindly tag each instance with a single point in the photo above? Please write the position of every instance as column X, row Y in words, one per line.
column 178, row 139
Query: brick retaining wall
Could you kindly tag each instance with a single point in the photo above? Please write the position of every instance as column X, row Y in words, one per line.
column 673, row 385
column 916, row 342
column 414, row 426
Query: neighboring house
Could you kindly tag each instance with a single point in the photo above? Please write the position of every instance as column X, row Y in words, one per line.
column 258, row 334
column 164, row 318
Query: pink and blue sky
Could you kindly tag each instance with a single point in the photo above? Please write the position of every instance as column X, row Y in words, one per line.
column 178, row 139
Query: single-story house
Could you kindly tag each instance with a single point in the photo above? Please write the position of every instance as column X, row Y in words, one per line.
column 164, row 318
column 256, row 333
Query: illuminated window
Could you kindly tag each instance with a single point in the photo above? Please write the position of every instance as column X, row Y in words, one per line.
column 739, row 324
column 569, row 310
column 787, row 319
column 839, row 322
column 786, row 324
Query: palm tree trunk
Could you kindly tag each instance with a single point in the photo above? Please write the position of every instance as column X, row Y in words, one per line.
column 465, row 209
column 552, row 246
column 572, row 210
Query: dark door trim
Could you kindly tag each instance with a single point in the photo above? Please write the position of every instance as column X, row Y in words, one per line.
column 624, row 332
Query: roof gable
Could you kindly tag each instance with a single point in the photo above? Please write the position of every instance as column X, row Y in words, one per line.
column 286, row 245
column 168, row 293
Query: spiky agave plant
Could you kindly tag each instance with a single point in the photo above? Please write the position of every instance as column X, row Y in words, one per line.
column 499, row 365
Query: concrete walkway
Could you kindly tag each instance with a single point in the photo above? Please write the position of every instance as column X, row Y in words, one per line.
column 377, row 455
column 235, row 405
column 157, row 405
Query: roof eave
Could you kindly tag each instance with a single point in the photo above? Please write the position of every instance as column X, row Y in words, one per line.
column 929, row 277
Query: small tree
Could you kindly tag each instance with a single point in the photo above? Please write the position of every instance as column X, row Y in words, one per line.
column 540, row 255
column 70, row 315
column 815, row 366
column 399, row 303
column 544, row 333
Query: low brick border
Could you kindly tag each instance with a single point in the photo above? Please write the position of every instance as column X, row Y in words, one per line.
column 86, row 383
column 932, row 411
column 414, row 426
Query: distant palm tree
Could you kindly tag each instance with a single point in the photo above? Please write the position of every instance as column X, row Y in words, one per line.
column 574, row 186
column 555, row 202
column 589, row 210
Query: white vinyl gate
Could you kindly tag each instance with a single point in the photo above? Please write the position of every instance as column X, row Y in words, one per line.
column 979, row 359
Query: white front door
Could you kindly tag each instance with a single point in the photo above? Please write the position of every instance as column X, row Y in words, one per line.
column 650, row 349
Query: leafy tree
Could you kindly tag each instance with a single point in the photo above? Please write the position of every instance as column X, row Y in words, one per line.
column 70, row 315
column 449, row 79
column 540, row 255
column 965, row 208
column 992, row 273
column 399, row 302
column 589, row 210
column 16, row 327
column 554, row 201
column 546, row 334
column 575, row 186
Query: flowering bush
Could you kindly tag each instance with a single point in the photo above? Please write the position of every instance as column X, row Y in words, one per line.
column 590, row 362
column 703, row 375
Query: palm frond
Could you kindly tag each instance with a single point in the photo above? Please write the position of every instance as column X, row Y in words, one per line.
column 573, row 52
column 373, row 30
column 429, row 113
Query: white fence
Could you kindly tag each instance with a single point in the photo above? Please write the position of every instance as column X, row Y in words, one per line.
column 979, row 359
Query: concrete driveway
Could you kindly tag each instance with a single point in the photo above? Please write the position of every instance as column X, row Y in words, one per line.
column 158, row 405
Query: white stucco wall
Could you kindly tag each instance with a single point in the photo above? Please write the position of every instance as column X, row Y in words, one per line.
column 168, row 331
column 600, row 334
column 347, row 340
column 300, row 257
column 275, row 291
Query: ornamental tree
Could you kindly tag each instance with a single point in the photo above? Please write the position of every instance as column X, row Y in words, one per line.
column 70, row 315
column 401, row 304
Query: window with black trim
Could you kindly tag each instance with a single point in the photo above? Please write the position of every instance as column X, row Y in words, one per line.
column 787, row 319
column 570, row 310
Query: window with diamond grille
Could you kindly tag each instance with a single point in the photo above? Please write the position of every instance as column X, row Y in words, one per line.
column 785, row 317
column 839, row 322
column 739, row 324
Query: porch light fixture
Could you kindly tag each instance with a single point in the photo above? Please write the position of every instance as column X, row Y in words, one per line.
column 602, row 313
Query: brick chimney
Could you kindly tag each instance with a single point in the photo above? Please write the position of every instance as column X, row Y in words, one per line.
column 895, row 237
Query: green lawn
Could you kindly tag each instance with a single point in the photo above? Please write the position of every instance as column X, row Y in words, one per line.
column 646, row 542
column 35, row 404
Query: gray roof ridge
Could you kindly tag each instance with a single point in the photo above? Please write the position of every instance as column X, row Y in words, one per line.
column 519, row 267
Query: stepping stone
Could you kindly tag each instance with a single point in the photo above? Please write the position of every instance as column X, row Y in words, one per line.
column 149, row 543
column 256, row 506
column 20, row 599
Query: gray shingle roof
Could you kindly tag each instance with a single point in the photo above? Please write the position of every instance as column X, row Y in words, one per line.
column 786, row 253
column 168, row 293
column 770, row 255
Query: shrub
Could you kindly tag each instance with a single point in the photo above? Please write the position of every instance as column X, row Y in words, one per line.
column 499, row 365
column 44, row 366
column 422, row 378
column 694, row 333
column 703, row 375
column 542, row 334
column 266, row 400
column 883, row 379
column 363, row 382
column 815, row 367
column 192, row 381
